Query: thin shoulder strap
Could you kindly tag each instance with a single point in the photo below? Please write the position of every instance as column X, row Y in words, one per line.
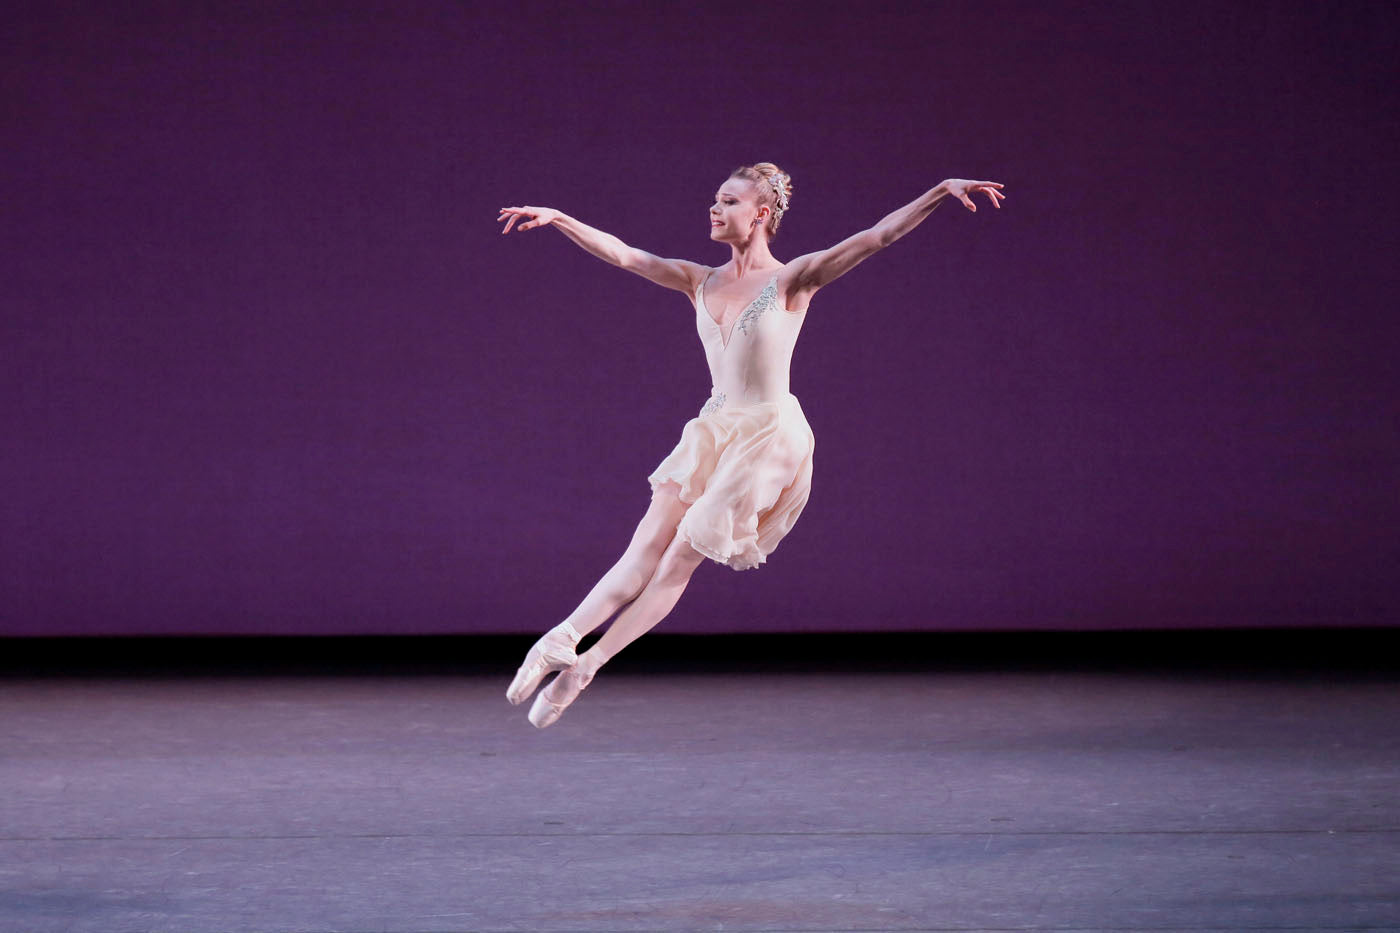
column 700, row 289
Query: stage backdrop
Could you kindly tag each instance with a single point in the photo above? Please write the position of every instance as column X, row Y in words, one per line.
column 269, row 366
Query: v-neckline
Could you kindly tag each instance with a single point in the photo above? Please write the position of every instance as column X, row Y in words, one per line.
column 705, row 309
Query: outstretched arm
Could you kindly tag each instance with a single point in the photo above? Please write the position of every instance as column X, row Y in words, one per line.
column 812, row 271
column 672, row 273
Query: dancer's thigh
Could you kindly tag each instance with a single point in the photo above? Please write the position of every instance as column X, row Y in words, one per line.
column 658, row 525
column 678, row 561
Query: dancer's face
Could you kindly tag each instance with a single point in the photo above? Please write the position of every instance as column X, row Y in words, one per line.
column 736, row 214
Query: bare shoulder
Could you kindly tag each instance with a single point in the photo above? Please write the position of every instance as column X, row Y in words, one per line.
column 679, row 274
column 694, row 273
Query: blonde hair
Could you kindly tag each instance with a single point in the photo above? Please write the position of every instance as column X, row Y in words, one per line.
column 773, row 187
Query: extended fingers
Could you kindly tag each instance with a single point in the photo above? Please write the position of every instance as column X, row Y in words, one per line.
column 989, row 188
column 514, row 213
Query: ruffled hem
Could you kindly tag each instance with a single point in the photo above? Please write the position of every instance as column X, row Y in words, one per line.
column 745, row 473
column 743, row 560
column 745, row 555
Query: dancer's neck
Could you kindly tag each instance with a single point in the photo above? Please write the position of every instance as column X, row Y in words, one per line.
column 750, row 256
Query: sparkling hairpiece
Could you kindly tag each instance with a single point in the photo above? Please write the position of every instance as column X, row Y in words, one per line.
column 776, row 181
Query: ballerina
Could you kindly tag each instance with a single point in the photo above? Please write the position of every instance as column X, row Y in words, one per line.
column 740, row 476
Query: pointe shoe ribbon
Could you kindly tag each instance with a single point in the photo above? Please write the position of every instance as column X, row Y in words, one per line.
column 555, row 698
column 553, row 652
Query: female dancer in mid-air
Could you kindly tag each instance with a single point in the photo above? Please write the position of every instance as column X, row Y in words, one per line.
column 738, row 479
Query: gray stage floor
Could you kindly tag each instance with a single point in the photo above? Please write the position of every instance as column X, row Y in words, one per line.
column 955, row 799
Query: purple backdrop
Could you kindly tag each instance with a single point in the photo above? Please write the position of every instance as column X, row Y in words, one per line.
column 269, row 367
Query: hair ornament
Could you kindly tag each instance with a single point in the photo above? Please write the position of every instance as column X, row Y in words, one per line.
column 776, row 181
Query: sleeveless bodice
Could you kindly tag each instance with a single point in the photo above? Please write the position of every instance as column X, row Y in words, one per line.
column 744, row 464
column 752, row 365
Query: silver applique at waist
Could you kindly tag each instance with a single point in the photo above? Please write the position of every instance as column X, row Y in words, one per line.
column 715, row 403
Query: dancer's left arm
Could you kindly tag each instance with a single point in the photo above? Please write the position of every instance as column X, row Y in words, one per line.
column 812, row 271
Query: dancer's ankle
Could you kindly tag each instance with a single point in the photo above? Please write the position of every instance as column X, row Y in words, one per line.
column 591, row 660
column 566, row 629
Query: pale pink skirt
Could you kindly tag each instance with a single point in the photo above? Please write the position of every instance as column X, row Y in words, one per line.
column 746, row 472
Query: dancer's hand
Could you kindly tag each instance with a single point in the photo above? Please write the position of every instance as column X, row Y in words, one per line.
column 961, row 188
column 541, row 217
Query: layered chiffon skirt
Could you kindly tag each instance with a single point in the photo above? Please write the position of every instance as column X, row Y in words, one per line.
column 746, row 472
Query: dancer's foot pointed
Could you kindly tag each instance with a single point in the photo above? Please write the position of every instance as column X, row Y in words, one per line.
column 562, row 691
column 554, row 651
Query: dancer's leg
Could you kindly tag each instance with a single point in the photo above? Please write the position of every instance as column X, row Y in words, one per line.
column 654, row 603
column 626, row 578
column 555, row 649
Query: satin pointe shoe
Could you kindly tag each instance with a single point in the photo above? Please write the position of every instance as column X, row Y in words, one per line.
column 555, row 698
column 553, row 652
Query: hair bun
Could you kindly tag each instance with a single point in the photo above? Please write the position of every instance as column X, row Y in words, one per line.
column 774, row 187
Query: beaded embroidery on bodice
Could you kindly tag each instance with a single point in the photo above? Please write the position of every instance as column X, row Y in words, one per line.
column 752, row 366
column 765, row 300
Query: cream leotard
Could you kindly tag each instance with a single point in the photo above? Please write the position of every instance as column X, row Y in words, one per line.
column 745, row 462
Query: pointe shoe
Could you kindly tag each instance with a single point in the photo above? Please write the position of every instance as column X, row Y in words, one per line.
column 553, row 652
column 555, row 698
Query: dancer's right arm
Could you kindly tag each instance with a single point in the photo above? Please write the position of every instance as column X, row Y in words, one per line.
column 679, row 274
